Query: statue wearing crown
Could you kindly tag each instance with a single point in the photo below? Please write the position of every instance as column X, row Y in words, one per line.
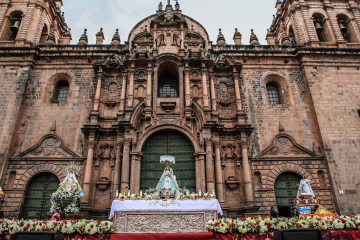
column 167, row 184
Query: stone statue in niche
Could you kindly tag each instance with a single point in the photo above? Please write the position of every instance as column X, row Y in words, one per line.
column 49, row 147
column 284, row 146
column 161, row 40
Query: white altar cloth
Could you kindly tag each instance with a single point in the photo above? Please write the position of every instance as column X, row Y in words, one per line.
column 170, row 205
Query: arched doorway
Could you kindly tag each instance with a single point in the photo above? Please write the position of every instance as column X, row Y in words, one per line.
column 37, row 199
column 168, row 143
column 286, row 188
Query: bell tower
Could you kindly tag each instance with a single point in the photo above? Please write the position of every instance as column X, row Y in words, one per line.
column 24, row 23
column 316, row 23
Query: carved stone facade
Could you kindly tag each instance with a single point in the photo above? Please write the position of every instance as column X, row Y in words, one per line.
column 162, row 222
column 99, row 104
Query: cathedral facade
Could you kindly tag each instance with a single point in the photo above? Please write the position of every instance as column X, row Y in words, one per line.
column 245, row 121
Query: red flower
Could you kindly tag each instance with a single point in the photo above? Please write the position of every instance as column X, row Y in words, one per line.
column 91, row 226
column 243, row 226
column 106, row 223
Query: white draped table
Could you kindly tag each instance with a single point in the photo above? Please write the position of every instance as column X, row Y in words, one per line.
column 157, row 216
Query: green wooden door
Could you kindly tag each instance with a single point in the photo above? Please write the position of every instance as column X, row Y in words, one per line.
column 286, row 188
column 37, row 199
column 173, row 144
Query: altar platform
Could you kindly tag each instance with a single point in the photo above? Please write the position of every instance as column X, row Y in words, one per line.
column 159, row 216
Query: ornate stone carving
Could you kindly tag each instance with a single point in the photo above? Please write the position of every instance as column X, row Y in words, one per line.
column 162, row 222
column 284, row 146
column 49, row 147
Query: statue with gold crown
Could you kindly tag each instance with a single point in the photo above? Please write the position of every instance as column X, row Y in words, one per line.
column 167, row 184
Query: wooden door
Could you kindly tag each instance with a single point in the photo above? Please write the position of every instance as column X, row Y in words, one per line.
column 286, row 188
column 37, row 199
column 173, row 144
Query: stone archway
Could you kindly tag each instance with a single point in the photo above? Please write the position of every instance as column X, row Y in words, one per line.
column 37, row 198
column 288, row 167
column 168, row 143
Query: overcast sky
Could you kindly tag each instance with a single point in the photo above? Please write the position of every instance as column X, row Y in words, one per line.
column 212, row 14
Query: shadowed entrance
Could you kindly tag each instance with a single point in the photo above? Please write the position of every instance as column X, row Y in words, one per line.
column 168, row 143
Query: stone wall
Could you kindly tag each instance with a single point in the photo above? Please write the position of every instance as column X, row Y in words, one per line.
column 335, row 91
column 13, row 80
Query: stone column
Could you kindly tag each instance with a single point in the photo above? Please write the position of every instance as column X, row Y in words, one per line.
column 249, row 192
column 187, row 87
column 213, row 93
column 117, row 168
column 123, row 92
column 197, row 174
column 202, row 173
column 237, row 92
column 134, row 174
column 155, row 36
column 210, row 185
column 149, row 87
column 205, row 89
column 98, row 90
column 131, row 89
column 125, row 173
column 218, row 172
column 88, row 170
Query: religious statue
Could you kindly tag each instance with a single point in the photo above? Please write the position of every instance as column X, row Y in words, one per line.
column 167, row 184
column 305, row 188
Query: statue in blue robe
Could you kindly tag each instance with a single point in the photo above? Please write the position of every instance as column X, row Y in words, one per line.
column 168, row 180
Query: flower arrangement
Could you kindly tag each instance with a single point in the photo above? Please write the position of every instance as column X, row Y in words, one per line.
column 122, row 196
column 84, row 227
column 268, row 224
column 204, row 196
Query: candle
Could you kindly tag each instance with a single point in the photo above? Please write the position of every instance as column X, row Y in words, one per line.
column 199, row 191
column 129, row 193
column 117, row 193
column 187, row 192
column 213, row 192
column 141, row 192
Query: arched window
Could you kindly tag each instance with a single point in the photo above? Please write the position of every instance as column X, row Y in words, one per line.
column 273, row 94
column 12, row 26
column 168, row 86
column 322, row 27
column 61, row 92
column 347, row 28
column 44, row 35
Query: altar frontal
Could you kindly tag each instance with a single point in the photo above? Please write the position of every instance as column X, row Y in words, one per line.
column 165, row 209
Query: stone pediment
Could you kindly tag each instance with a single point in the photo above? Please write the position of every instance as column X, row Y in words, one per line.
column 285, row 146
column 49, row 146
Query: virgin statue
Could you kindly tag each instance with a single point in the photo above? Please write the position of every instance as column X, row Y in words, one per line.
column 305, row 188
column 168, row 180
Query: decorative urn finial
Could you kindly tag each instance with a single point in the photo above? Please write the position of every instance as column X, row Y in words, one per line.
column 116, row 38
column 253, row 39
column 84, row 38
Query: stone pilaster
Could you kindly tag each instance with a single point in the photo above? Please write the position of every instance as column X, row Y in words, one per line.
column 149, row 87
column 98, row 90
column 117, row 168
column 205, row 88
column 88, row 171
column 249, row 192
column 123, row 92
column 218, row 174
column 212, row 91
column 187, row 87
column 210, row 184
column 334, row 23
column 125, row 173
column 131, row 89
column 237, row 92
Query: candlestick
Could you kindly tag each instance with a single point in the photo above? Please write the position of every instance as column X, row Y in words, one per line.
column 117, row 193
